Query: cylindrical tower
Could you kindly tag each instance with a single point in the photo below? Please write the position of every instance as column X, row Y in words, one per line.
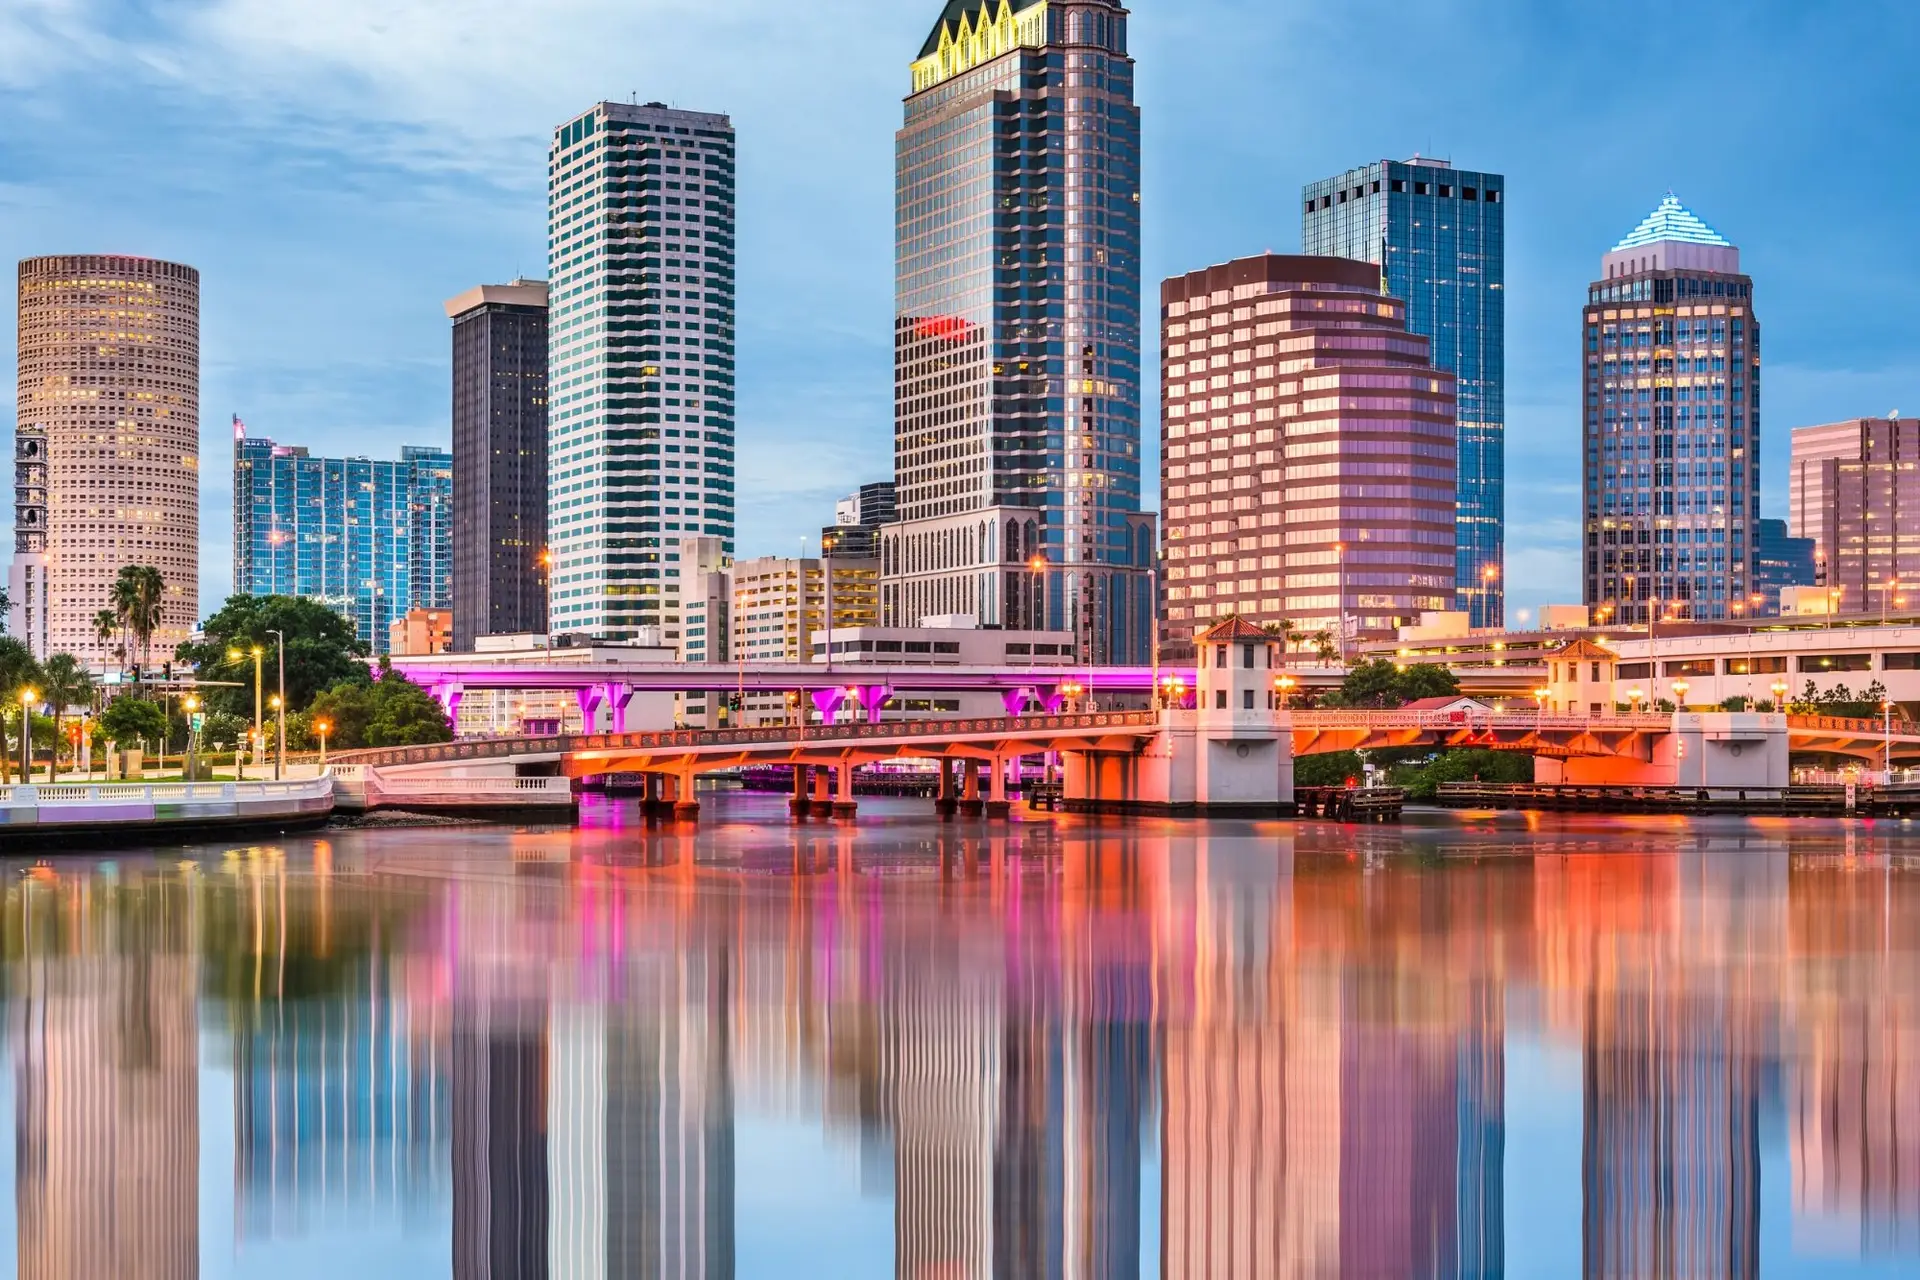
column 110, row 371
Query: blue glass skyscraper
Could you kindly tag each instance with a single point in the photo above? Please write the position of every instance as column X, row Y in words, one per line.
column 369, row 538
column 1439, row 236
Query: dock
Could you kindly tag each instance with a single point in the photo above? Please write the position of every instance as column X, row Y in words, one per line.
column 1809, row 801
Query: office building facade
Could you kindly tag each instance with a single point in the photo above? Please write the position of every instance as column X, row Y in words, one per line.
column 641, row 358
column 1438, row 234
column 499, row 461
column 1017, row 328
column 372, row 539
column 1785, row 562
column 1670, row 354
column 1854, row 488
column 109, row 371
column 780, row 604
column 858, row 519
column 1307, row 452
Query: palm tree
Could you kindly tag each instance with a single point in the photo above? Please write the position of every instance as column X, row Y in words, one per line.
column 1323, row 642
column 64, row 683
column 139, row 598
column 106, row 624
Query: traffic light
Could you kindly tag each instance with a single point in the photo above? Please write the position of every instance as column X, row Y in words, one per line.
column 136, row 673
column 168, row 669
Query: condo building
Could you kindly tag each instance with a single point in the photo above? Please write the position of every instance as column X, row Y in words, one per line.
column 1671, row 361
column 109, row 373
column 1307, row 452
column 1017, row 328
column 1853, row 486
column 370, row 538
column 1438, row 235
column 640, row 212
column 499, row 461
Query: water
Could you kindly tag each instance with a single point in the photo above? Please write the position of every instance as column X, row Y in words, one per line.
column 1585, row 1047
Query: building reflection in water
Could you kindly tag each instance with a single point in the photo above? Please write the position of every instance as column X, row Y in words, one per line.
column 105, row 1030
column 549, row 1039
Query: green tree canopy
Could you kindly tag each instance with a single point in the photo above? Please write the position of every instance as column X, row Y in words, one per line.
column 128, row 719
column 1381, row 685
column 322, row 651
column 391, row 712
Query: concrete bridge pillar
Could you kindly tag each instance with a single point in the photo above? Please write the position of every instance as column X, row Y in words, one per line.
column 823, row 789
column 799, row 805
column 843, row 803
column 590, row 699
column 449, row 696
column 947, row 803
column 970, row 801
column 873, row 699
column 686, row 803
column 619, row 696
column 997, row 805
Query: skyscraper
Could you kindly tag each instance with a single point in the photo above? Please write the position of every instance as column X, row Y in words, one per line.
column 640, row 224
column 1306, row 454
column 110, row 370
column 499, row 461
column 1671, row 358
column 1439, row 236
column 1853, row 488
column 372, row 539
column 1017, row 328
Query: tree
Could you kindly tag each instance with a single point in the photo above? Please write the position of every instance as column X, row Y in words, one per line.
column 1323, row 644
column 1473, row 764
column 1382, row 685
column 322, row 650
column 18, row 671
column 65, row 683
column 131, row 719
column 106, row 625
column 139, row 599
column 392, row 712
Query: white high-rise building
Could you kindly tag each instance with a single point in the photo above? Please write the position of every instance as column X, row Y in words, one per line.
column 640, row 217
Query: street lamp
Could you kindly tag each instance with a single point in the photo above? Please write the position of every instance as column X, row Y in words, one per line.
column 1680, row 688
column 191, row 705
column 257, row 740
column 1886, row 740
column 280, row 645
column 279, row 705
column 1633, row 699
column 322, row 728
column 28, row 697
column 1540, row 699
column 1340, row 552
column 1285, row 685
column 1779, row 695
column 1072, row 691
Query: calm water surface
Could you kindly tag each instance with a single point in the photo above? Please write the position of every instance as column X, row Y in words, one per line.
column 1049, row 1049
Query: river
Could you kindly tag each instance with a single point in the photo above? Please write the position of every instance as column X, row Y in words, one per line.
column 1457, row 1047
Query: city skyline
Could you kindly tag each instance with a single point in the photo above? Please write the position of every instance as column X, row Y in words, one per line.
column 438, row 177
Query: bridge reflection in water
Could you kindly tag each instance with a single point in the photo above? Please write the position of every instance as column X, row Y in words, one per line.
column 1272, row 1049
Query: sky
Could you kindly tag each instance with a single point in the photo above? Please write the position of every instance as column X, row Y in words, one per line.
column 337, row 170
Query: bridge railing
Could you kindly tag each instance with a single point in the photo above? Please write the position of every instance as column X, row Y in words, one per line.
column 669, row 739
column 1458, row 720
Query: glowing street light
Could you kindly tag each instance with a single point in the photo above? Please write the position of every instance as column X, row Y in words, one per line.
column 1779, row 695
column 323, row 728
column 1634, row 697
column 1540, row 699
column 1285, row 685
column 1680, row 688
column 28, row 697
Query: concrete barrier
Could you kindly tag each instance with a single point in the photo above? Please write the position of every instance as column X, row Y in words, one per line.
column 126, row 807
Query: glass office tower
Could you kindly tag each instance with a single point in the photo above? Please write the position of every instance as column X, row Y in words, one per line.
column 1017, row 329
column 372, row 539
column 1670, row 353
column 1439, row 235
column 640, row 265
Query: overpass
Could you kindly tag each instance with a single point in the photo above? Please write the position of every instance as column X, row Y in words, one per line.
column 1106, row 750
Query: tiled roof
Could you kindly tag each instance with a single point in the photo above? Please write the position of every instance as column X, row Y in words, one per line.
column 1582, row 649
column 1671, row 221
column 1235, row 627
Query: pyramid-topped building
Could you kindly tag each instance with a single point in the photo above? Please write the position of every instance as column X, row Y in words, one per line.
column 1671, row 426
column 1672, row 221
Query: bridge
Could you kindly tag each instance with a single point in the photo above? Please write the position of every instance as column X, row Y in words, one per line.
column 1689, row 748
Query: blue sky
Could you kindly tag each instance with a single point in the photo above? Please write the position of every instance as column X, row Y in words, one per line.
column 337, row 170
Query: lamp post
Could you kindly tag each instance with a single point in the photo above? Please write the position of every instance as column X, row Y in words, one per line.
column 1779, row 695
column 1540, row 699
column 322, row 728
column 1633, row 699
column 1886, row 742
column 280, row 646
column 1680, row 688
column 191, row 705
column 28, row 697
column 1340, row 621
column 279, row 705
column 257, row 739
column 1285, row 685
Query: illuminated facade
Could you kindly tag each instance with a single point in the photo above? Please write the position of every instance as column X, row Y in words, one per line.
column 1307, row 452
column 640, row 225
column 1017, row 328
column 1671, row 356
column 110, row 370
column 499, row 461
column 1855, row 492
column 371, row 539
column 1439, row 235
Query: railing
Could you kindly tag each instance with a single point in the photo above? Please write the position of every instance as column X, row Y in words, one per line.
column 1853, row 725
column 66, row 793
column 501, row 748
column 1455, row 720
column 475, row 786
